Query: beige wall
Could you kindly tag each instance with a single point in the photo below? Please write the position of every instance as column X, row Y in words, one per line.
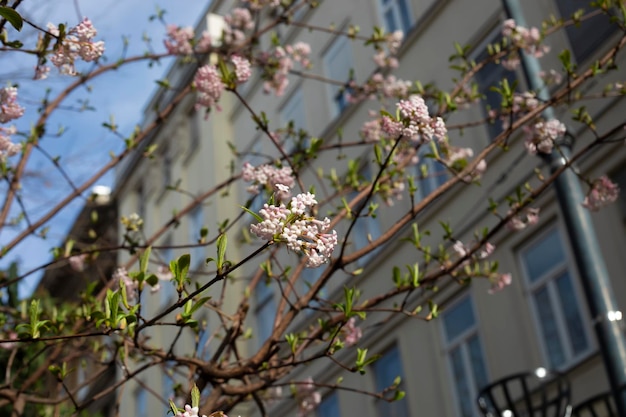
column 507, row 328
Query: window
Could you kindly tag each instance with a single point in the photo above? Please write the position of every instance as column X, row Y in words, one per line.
column 203, row 352
column 310, row 276
column 141, row 401
column 430, row 174
column 491, row 75
column 293, row 111
column 265, row 311
column 329, row 407
column 338, row 64
column 366, row 228
column 586, row 37
column 167, row 387
column 386, row 370
column 465, row 355
column 396, row 15
column 555, row 300
column 196, row 222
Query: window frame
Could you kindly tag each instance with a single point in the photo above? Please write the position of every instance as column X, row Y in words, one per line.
column 548, row 280
column 365, row 227
column 461, row 341
column 396, row 408
column 593, row 25
column 295, row 101
column 384, row 6
column 332, row 397
column 338, row 99
column 492, row 37
column 265, row 302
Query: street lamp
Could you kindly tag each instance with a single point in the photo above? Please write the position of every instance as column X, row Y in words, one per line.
column 529, row 394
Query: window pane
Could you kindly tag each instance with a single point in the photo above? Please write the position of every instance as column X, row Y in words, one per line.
column 477, row 362
column 390, row 20
column 548, row 326
column 338, row 62
column 329, row 407
column 461, row 383
column 573, row 320
column 490, row 76
column 294, row 111
column 458, row 319
column 386, row 369
column 589, row 34
column 265, row 320
column 543, row 256
column 405, row 15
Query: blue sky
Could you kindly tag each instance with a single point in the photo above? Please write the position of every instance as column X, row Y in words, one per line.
column 84, row 143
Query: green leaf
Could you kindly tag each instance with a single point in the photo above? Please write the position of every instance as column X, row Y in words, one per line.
column 12, row 17
column 222, row 241
column 195, row 396
column 144, row 258
column 173, row 408
column 256, row 216
column 399, row 395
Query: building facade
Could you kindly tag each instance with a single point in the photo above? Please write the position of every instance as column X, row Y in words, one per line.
column 541, row 319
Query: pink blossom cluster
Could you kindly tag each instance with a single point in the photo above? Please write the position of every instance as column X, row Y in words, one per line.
column 77, row 262
column 294, row 226
column 352, row 333
column 308, row 397
column 379, row 87
column 392, row 190
column 300, row 52
column 386, row 58
column 602, row 193
column 277, row 63
column 551, row 77
column 522, row 103
column 163, row 274
column 181, row 41
column 209, row 84
column 190, row 411
column 243, row 69
column 416, row 123
column 371, row 131
column 237, row 23
column 78, row 43
column 259, row 4
column 499, row 282
column 9, row 345
column 268, row 176
column 520, row 221
column 121, row 276
column 457, row 158
column 8, row 148
column 523, row 38
column 463, row 250
column 9, row 109
column 542, row 135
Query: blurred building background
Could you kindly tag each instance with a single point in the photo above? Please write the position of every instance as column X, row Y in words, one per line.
column 541, row 319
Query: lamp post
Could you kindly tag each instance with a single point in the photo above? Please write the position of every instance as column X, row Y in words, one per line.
column 591, row 266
